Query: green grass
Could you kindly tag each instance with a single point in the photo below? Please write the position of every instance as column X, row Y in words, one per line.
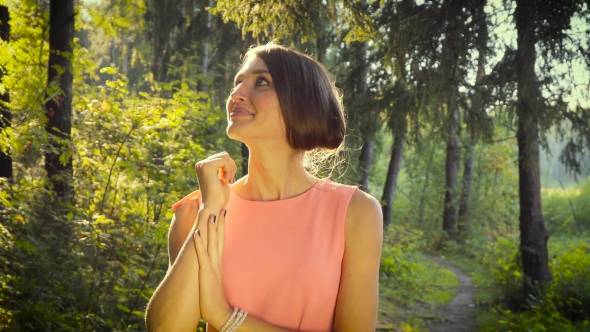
column 407, row 309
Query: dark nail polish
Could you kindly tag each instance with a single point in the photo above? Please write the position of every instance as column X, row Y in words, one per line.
column 214, row 219
column 224, row 213
column 199, row 232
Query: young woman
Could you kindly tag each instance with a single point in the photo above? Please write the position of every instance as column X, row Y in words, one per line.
column 278, row 250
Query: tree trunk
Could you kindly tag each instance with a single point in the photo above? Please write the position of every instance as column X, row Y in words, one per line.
column 367, row 132
column 451, row 172
column 321, row 46
column 245, row 158
column 366, row 159
column 112, row 51
column 450, row 62
column 205, row 64
column 59, row 110
column 5, row 114
column 478, row 107
column 465, row 203
column 424, row 187
column 125, row 66
column 397, row 153
column 533, row 235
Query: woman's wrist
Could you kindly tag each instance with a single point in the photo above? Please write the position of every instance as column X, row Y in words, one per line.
column 208, row 209
column 223, row 317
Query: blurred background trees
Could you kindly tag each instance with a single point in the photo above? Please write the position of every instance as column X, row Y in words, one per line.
column 469, row 119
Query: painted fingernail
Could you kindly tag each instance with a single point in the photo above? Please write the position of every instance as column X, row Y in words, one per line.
column 214, row 219
column 224, row 213
column 199, row 232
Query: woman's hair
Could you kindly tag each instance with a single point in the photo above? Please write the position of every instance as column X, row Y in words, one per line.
column 311, row 105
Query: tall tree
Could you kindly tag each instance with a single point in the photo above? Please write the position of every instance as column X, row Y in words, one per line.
column 544, row 26
column 5, row 114
column 454, row 52
column 359, row 111
column 472, row 115
column 399, row 128
column 58, row 163
column 533, row 235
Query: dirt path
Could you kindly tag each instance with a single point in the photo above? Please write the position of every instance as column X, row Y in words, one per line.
column 455, row 316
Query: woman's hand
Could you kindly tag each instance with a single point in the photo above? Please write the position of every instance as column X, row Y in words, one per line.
column 214, row 308
column 214, row 175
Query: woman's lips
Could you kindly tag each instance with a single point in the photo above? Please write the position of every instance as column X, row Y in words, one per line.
column 239, row 111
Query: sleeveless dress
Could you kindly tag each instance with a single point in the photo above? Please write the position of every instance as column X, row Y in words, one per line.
column 282, row 259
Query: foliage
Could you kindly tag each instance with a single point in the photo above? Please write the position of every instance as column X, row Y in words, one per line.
column 565, row 304
column 398, row 260
column 95, row 263
column 567, row 210
column 495, row 268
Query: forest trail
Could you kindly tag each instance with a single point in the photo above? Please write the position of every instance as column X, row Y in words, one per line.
column 456, row 315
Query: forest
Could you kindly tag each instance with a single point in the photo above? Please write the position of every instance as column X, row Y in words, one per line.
column 468, row 119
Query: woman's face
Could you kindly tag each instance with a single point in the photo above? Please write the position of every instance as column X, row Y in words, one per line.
column 253, row 110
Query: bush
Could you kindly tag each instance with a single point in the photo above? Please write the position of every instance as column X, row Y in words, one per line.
column 564, row 304
column 398, row 260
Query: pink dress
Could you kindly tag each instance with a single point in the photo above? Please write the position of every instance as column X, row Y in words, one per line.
column 282, row 259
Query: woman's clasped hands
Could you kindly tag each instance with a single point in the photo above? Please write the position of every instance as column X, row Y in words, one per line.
column 214, row 308
column 214, row 175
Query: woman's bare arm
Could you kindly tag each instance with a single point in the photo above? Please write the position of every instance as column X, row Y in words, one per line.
column 358, row 296
column 174, row 306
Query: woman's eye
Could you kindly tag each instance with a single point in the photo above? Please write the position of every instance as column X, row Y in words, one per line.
column 262, row 81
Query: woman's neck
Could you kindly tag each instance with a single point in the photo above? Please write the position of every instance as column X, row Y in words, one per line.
column 274, row 174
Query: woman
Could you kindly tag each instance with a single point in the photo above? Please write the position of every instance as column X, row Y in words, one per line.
column 277, row 250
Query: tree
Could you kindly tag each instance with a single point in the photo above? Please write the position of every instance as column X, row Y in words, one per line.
column 5, row 114
column 544, row 26
column 453, row 57
column 472, row 115
column 58, row 162
column 533, row 235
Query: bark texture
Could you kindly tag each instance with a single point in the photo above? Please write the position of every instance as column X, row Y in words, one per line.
column 533, row 235
column 395, row 162
column 451, row 173
column 424, row 187
column 59, row 110
column 365, row 161
column 465, row 203
column 367, row 131
column 5, row 113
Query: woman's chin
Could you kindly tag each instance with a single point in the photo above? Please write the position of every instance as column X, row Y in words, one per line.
column 237, row 132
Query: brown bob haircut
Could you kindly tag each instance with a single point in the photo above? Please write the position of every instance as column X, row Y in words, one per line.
column 310, row 103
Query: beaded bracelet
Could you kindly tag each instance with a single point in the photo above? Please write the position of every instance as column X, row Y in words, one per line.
column 239, row 319
column 225, row 326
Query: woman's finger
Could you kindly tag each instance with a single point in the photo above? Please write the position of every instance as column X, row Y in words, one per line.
column 231, row 170
column 203, row 258
column 212, row 246
column 211, row 165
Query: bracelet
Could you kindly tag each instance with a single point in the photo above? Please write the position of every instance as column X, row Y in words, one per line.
column 225, row 326
column 239, row 319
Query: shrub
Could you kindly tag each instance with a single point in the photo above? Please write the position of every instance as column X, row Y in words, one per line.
column 398, row 260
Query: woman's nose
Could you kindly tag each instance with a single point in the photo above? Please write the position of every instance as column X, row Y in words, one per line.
column 239, row 93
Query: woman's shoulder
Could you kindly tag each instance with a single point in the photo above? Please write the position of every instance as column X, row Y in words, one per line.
column 364, row 216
